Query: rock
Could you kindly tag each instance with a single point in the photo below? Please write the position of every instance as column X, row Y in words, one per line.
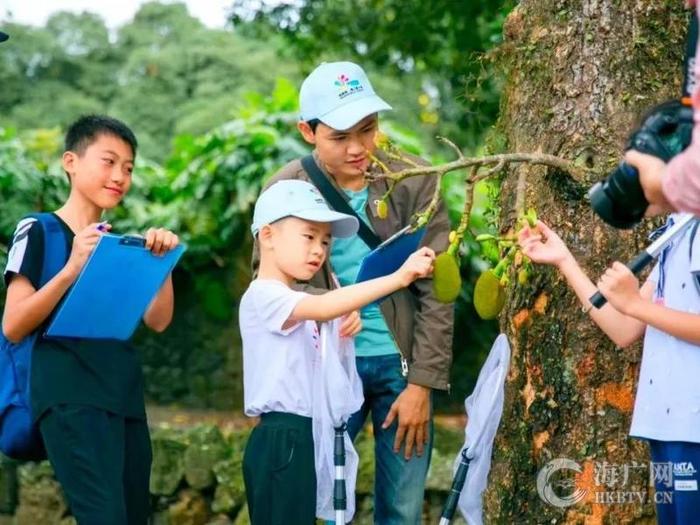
column 447, row 443
column 230, row 490
column 237, row 442
column 220, row 519
column 364, row 511
column 40, row 496
column 168, row 466
column 242, row 518
column 207, row 447
column 440, row 471
column 190, row 509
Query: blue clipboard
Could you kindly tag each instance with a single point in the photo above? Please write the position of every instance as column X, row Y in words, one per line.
column 391, row 254
column 113, row 291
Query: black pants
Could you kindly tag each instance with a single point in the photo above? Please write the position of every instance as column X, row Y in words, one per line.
column 279, row 471
column 102, row 461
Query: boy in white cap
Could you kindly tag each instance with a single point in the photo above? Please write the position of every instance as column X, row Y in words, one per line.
column 293, row 227
column 404, row 349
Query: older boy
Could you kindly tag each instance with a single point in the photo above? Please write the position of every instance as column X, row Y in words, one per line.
column 404, row 350
column 87, row 395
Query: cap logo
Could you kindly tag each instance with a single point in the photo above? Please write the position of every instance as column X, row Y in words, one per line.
column 319, row 199
column 347, row 87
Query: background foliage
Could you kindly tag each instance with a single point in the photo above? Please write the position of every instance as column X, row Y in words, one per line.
column 214, row 111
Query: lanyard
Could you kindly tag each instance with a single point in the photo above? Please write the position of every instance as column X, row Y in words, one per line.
column 660, row 283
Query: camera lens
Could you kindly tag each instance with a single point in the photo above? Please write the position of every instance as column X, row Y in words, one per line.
column 619, row 200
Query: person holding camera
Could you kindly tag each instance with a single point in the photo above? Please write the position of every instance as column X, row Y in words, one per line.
column 666, row 312
column 674, row 185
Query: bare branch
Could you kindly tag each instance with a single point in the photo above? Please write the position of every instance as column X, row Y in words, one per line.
column 466, row 162
column 432, row 207
column 392, row 153
column 452, row 145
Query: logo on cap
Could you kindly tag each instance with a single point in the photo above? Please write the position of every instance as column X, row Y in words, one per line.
column 347, row 87
column 318, row 198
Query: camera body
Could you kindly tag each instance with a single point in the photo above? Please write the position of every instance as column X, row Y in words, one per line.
column 665, row 131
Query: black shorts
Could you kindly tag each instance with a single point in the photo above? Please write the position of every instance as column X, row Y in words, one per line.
column 279, row 471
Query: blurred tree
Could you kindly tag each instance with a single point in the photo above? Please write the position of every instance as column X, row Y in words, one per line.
column 67, row 60
column 441, row 42
column 164, row 73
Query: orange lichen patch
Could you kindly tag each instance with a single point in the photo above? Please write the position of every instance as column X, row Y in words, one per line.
column 584, row 368
column 540, row 439
column 586, row 481
column 521, row 318
column 541, row 303
column 616, row 395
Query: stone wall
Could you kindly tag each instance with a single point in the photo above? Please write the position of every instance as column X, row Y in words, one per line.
column 197, row 479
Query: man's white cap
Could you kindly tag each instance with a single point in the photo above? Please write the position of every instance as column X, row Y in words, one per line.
column 298, row 198
column 338, row 94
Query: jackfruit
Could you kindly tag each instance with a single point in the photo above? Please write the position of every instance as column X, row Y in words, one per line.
column 447, row 282
column 489, row 295
column 382, row 209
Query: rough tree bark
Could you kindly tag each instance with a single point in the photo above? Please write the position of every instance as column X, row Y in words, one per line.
column 578, row 75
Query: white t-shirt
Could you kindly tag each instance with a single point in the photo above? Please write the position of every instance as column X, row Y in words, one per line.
column 667, row 405
column 277, row 364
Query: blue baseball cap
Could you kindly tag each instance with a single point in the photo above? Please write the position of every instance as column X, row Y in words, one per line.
column 3, row 36
column 298, row 198
column 338, row 94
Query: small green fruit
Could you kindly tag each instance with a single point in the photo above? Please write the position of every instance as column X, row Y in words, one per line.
column 447, row 282
column 489, row 295
column 382, row 209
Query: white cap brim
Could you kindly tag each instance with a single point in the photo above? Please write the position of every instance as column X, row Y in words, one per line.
column 342, row 225
column 348, row 115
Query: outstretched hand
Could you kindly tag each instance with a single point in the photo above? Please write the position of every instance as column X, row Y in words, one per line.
column 418, row 265
column 542, row 245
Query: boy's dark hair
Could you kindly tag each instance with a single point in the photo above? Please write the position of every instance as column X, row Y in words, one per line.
column 87, row 128
column 313, row 124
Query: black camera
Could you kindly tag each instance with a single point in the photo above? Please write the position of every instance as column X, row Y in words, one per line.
column 665, row 132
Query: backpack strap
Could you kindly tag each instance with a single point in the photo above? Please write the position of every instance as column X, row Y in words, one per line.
column 336, row 200
column 55, row 249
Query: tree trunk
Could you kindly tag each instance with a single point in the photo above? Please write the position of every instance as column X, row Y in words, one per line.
column 578, row 76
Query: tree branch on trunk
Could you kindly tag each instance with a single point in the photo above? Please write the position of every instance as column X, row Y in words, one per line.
column 481, row 168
